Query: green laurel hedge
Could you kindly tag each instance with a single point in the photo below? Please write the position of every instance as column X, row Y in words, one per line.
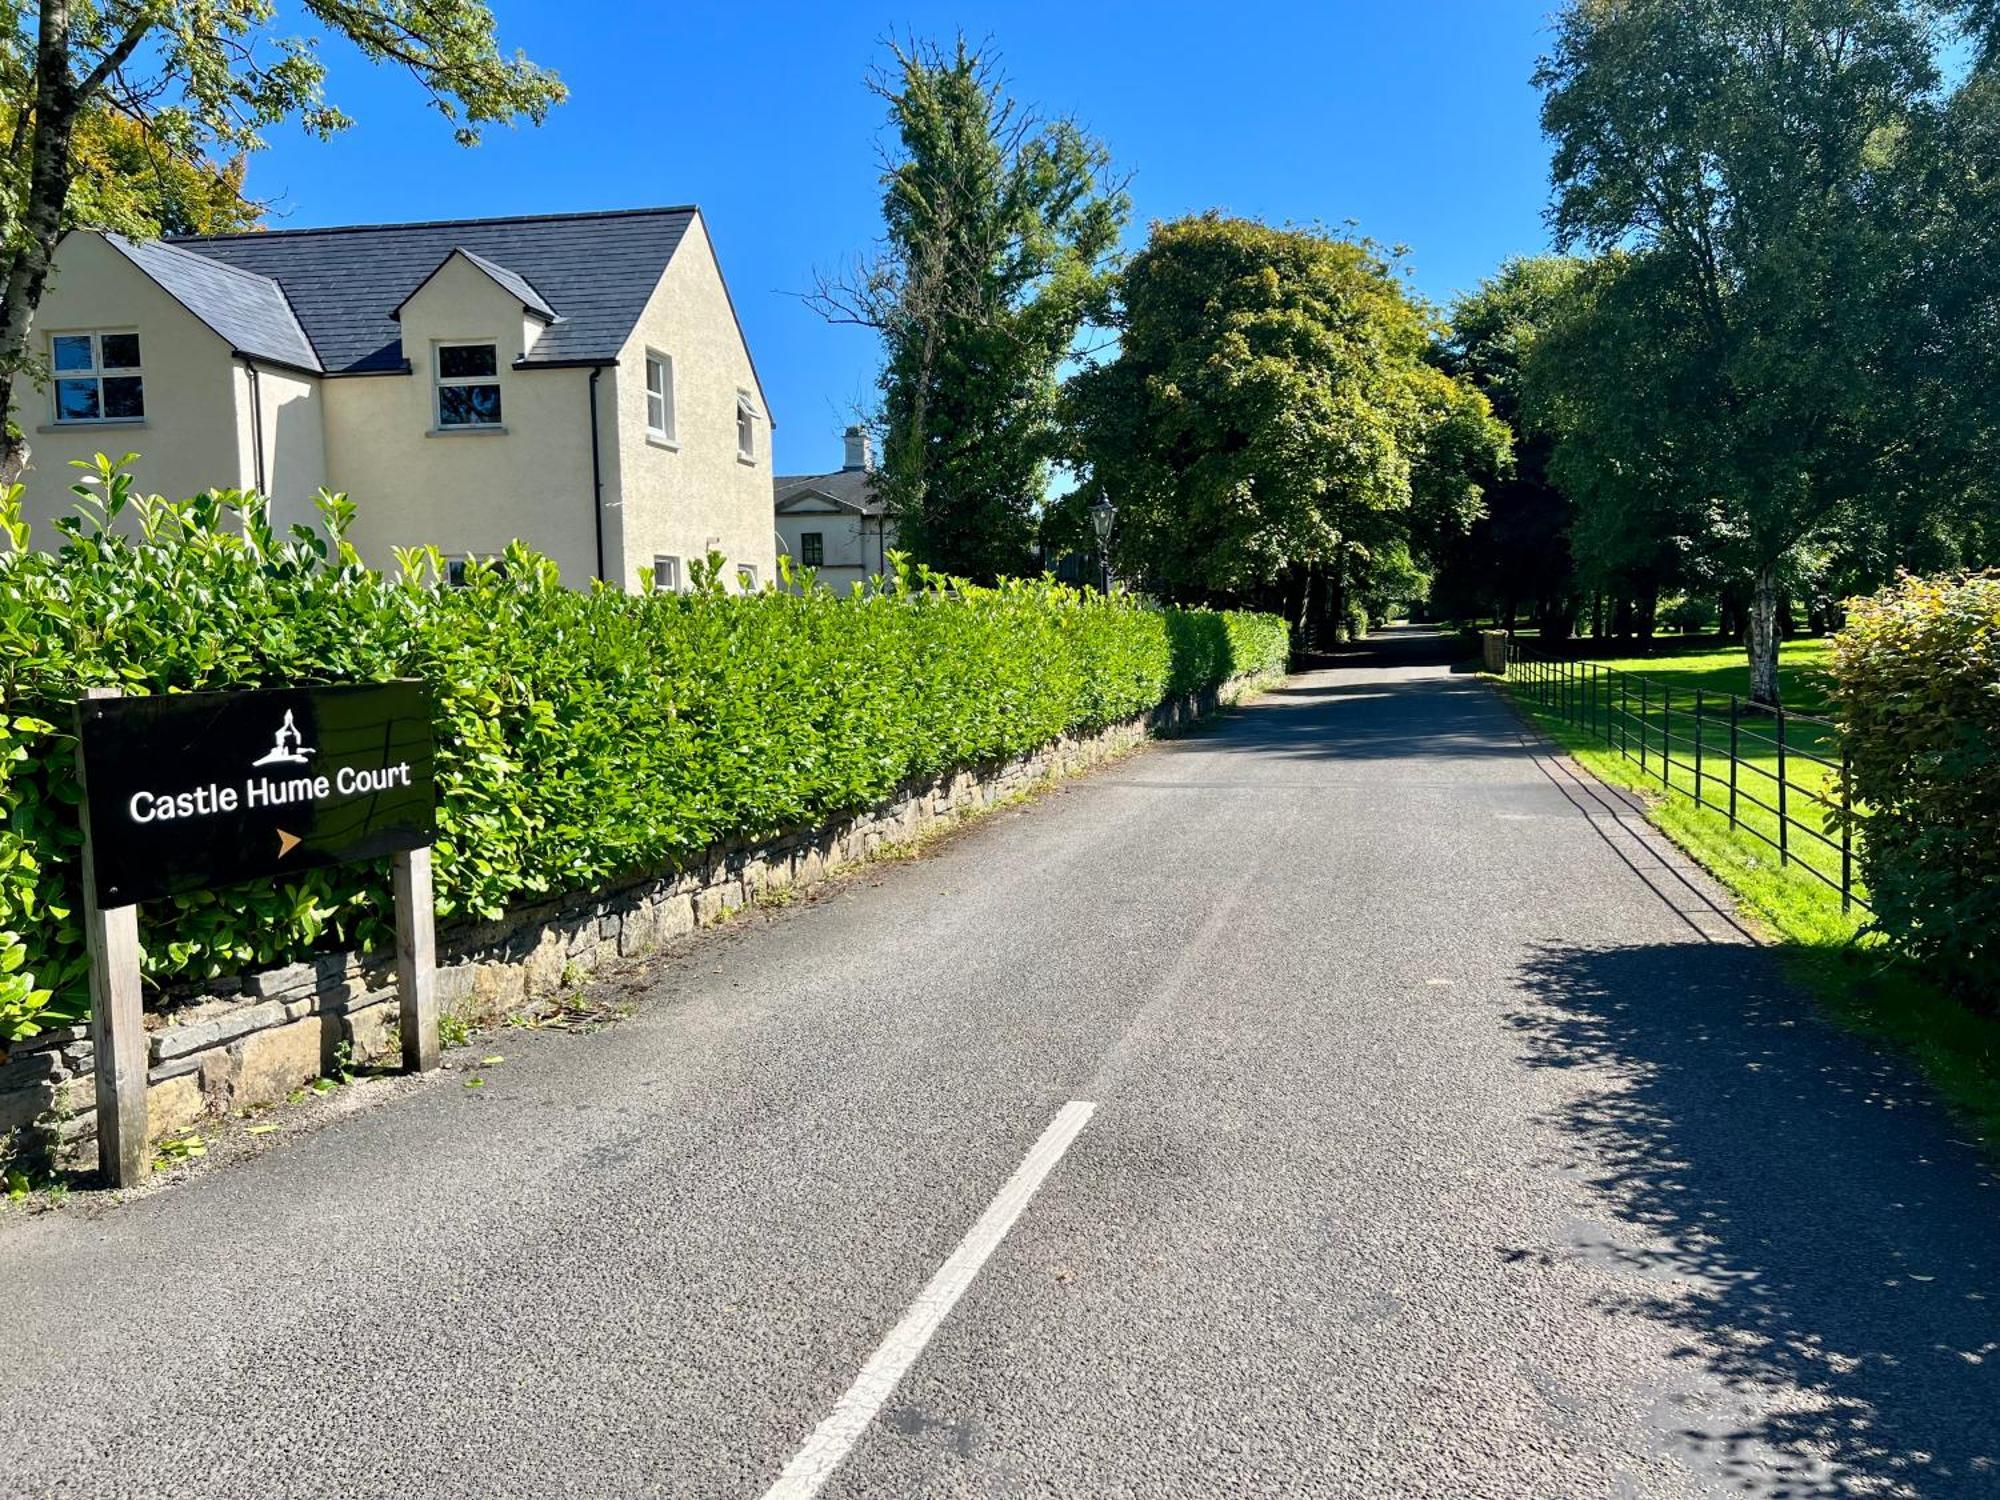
column 1917, row 688
column 582, row 737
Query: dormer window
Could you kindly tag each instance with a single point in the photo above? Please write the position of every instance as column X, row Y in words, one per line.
column 468, row 385
column 97, row 377
column 746, row 427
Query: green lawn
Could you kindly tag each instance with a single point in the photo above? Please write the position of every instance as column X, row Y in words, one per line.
column 1853, row 975
column 1669, row 712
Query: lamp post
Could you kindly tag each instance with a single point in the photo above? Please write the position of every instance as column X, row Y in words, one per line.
column 1101, row 512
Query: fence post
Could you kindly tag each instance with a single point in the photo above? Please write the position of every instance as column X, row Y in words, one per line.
column 1846, row 828
column 1666, row 735
column 1624, row 719
column 1697, row 747
column 1645, row 717
column 1735, row 713
column 1784, row 820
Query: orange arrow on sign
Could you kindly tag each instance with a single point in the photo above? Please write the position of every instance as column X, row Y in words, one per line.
column 287, row 842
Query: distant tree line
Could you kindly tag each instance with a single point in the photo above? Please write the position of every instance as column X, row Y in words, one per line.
column 1761, row 379
column 1769, row 385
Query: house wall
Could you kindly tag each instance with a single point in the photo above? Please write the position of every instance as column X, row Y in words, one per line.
column 465, row 492
column 853, row 549
column 188, row 440
column 290, row 423
column 680, row 501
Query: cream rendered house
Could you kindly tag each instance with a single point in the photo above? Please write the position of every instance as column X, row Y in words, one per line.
column 579, row 381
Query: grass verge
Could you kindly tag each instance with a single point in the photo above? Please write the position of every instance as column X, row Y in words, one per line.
column 1855, row 979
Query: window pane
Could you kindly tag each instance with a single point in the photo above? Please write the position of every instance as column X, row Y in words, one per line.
column 465, row 361
column 745, row 437
column 656, row 413
column 666, row 572
column 123, row 397
column 70, row 351
column 812, row 549
column 121, row 350
column 468, row 405
column 656, row 377
column 76, row 401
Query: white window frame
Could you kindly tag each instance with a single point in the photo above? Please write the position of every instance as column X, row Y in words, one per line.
column 666, row 431
column 746, row 577
column 97, row 374
column 667, row 574
column 439, row 381
column 746, row 428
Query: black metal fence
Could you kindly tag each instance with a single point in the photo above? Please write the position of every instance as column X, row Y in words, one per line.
column 1776, row 775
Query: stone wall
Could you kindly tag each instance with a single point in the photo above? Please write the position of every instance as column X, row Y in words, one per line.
column 257, row 1039
column 1494, row 644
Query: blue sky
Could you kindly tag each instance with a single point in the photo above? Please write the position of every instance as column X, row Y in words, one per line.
column 1416, row 120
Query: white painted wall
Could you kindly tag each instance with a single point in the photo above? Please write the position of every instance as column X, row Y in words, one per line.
column 853, row 543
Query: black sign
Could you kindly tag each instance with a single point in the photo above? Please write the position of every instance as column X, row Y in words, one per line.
column 196, row 790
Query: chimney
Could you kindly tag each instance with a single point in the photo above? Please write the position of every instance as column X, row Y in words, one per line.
column 860, row 452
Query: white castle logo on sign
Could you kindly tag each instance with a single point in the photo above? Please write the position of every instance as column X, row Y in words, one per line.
column 288, row 748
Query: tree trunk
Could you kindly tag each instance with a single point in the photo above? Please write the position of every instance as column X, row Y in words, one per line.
column 1762, row 637
column 57, row 101
column 1597, row 615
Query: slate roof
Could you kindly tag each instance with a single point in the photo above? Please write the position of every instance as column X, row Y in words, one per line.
column 248, row 310
column 850, row 489
column 592, row 273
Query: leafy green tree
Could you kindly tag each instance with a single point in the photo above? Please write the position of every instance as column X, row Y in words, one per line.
column 1617, row 379
column 999, row 231
column 127, row 179
column 1756, row 157
column 1270, row 428
column 1517, row 553
column 201, row 78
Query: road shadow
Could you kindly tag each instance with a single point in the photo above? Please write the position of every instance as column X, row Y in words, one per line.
column 1821, row 1228
column 1381, row 717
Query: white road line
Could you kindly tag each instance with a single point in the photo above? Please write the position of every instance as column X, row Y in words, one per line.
column 833, row 1438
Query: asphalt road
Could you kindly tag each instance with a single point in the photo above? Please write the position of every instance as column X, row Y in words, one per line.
column 1449, row 1140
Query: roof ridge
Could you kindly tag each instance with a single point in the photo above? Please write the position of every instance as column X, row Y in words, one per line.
column 592, row 213
column 207, row 260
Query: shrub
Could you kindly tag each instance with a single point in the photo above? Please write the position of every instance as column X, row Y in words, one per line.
column 1917, row 689
column 582, row 737
column 1688, row 615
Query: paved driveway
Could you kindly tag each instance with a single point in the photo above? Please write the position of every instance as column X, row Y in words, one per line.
column 1448, row 1140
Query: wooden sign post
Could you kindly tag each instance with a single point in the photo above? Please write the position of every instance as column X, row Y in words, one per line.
column 117, row 1018
column 191, row 791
